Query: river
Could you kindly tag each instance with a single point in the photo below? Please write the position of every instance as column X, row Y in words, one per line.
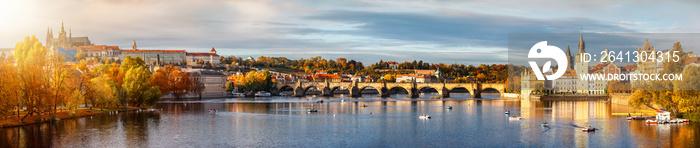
column 385, row 122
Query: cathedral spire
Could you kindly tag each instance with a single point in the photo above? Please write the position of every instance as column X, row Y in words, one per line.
column 62, row 30
column 48, row 36
column 581, row 44
column 569, row 57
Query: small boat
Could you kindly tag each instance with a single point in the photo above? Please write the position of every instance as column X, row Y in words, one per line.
column 514, row 118
column 449, row 107
column 363, row 105
column 544, row 125
column 312, row 110
column 652, row 121
column 424, row 116
column 588, row 129
column 507, row 112
column 638, row 117
column 262, row 94
column 342, row 100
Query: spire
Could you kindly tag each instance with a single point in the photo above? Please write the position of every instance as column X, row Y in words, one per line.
column 212, row 50
column 581, row 44
column 62, row 30
column 48, row 36
column 568, row 50
column 568, row 56
column 133, row 45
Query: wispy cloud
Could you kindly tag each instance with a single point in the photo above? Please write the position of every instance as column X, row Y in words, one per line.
column 471, row 32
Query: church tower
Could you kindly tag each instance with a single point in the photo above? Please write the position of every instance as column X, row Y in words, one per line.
column 49, row 36
column 62, row 37
column 569, row 59
column 581, row 67
column 211, row 56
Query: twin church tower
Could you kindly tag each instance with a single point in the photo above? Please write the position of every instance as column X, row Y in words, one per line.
column 65, row 41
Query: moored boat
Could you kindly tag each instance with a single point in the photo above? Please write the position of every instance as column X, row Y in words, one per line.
column 449, row 107
column 652, row 121
column 515, row 118
column 262, row 94
column 238, row 95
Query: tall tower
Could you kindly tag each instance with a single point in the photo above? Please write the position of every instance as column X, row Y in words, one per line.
column 211, row 56
column 62, row 36
column 49, row 36
column 581, row 67
column 568, row 57
column 133, row 45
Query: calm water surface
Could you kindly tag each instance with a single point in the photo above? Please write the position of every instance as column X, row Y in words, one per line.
column 388, row 122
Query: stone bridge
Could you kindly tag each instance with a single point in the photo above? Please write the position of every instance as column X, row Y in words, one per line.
column 355, row 88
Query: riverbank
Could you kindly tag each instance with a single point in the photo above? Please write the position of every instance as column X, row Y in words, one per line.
column 14, row 121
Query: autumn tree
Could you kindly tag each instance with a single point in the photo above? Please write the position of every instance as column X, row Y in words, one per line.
column 35, row 73
column 137, row 88
column 9, row 86
column 170, row 79
column 254, row 81
column 79, row 56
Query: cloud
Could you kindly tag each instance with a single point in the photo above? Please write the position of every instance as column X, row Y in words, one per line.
column 438, row 31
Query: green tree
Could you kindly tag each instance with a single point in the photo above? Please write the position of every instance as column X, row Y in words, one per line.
column 229, row 86
column 136, row 86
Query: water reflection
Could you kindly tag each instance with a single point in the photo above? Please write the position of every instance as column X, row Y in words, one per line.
column 384, row 122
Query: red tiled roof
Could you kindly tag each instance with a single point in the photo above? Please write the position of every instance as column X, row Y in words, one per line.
column 326, row 76
column 168, row 51
column 212, row 50
column 98, row 48
column 202, row 54
column 692, row 60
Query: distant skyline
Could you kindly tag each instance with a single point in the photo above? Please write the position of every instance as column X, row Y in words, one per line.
column 466, row 32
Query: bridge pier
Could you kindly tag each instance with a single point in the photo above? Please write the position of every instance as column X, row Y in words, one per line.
column 477, row 91
column 355, row 92
column 444, row 92
column 327, row 91
column 383, row 92
column 299, row 92
column 413, row 93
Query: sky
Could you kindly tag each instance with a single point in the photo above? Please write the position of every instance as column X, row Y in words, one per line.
column 450, row 31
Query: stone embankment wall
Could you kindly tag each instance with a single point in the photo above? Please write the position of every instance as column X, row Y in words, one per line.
column 621, row 99
column 511, row 95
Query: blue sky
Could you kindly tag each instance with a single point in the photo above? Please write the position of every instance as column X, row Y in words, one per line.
column 466, row 32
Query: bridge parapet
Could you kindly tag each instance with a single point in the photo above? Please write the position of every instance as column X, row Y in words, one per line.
column 355, row 88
